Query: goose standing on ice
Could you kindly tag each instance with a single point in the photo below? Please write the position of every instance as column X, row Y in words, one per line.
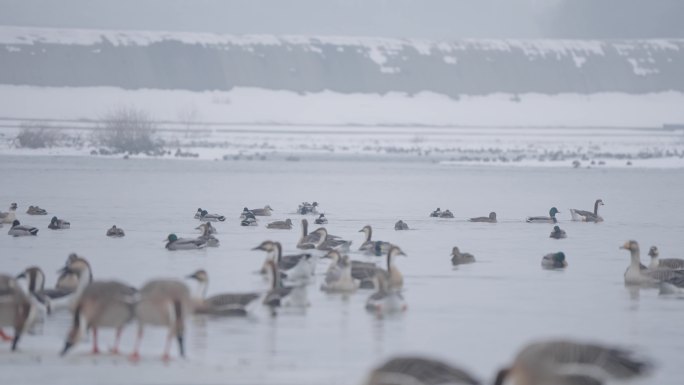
column 587, row 216
column 35, row 210
column 377, row 248
column 36, row 287
column 666, row 263
column 224, row 304
column 116, row 232
column 321, row 220
column 175, row 243
column 400, row 225
column 554, row 261
column 458, row 258
column 16, row 309
column 637, row 275
column 282, row 225
column 557, row 233
column 550, row 219
column 265, row 212
column 19, row 230
column 488, row 219
column 294, row 267
column 58, row 224
column 338, row 278
column 10, row 215
column 364, row 272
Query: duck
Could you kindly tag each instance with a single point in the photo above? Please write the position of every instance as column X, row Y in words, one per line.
column 58, row 224
column 587, row 216
column 282, row 225
column 400, row 225
column 19, row 230
column 206, row 227
column 446, row 214
column 488, row 219
column 458, row 258
column 554, row 261
column 377, row 248
column 265, row 212
column 206, row 217
column 16, row 309
column 207, row 237
column 166, row 303
column 175, row 243
column 550, row 219
column 294, row 267
column 418, row 370
column 10, row 215
column 248, row 220
column 115, row 232
column 436, row 214
column 636, row 275
column 387, row 299
column 570, row 362
column 307, row 208
column 99, row 304
column 224, row 304
column 35, row 210
column 338, row 278
column 558, row 233
column 198, row 213
column 667, row 263
column 321, row 220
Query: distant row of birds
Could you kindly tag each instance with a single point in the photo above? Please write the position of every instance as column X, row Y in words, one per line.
column 577, row 215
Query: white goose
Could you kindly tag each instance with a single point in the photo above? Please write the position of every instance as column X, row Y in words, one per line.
column 338, row 278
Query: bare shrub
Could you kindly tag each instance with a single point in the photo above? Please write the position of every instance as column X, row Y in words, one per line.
column 36, row 135
column 128, row 130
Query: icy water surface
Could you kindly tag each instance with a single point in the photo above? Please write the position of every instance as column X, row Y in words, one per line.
column 476, row 316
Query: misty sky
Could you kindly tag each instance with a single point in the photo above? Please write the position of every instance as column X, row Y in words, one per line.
column 435, row 19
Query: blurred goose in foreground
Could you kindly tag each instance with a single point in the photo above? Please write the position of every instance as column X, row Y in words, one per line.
column 116, row 232
column 401, row 225
column 206, row 227
column 58, row 224
column 436, row 214
column 207, row 237
column 637, row 275
column 175, row 243
column 558, row 233
column 282, row 225
column 446, row 214
column 411, row 370
column 224, row 304
column 35, row 210
column 377, row 248
column 561, row 362
column 162, row 302
column 550, row 219
column 587, row 216
column 19, row 230
column 16, row 309
column 10, row 215
column 338, row 278
column 666, row 263
column 295, row 267
column 554, row 261
column 99, row 304
column 207, row 217
column 265, row 212
column 488, row 219
column 387, row 298
column 458, row 258
column 321, row 220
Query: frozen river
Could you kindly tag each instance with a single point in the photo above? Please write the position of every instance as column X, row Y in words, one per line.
column 476, row 316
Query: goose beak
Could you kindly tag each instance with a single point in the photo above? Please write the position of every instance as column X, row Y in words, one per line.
column 625, row 246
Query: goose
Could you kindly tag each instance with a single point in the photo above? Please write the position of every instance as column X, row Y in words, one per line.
column 361, row 271
column 295, row 267
column 636, row 275
column 587, row 216
column 162, row 302
column 331, row 242
column 282, row 225
column 275, row 296
column 554, row 261
column 558, row 233
column 550, row 219
column 225, row 304
column 116, row 232
column 419, row 371
column 36, row 287
column 489, row 219
column 446, row 214
column 206, row 227
column 458, row 258
column 19, row 230
column 206, row 217
column 565, row 362
column 265, row 212
column 309, row 241
column 16, row 309
column 396, row 279
column 436, row 214
column 377, row 248
column 10, row 215
column 68, row 281
column 248, row 220
column 667, row 263
column 401, row 225
column 175, row 243
column 321, row 220
column 206, row 236
column 307, row 208
column 35, row 210
column 58, row 224
column 387, row 298
column 338, row 278
column 99, row 304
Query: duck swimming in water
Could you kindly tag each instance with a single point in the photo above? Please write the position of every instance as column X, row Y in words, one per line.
column 198, row 213
column 666, row 263
column 488, row 219
column 19, row 230
column 58, row 224
column 206, row 217
column 550, row 219
column 587, row 216
column 321, row 220
column 557, row 233
column 10, row 215
column 282, row 225
column 458, row 258
column 436, row 214
column 265, row 212
column 446, row 214
column 175, row 243
column 35, row 210
column 207, row 236
column 224, row 304
column 400, row 225
column 116, row 232
column 554, row 261
column 249, row 219
column 307, row 208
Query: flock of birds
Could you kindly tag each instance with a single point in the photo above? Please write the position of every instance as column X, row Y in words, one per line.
column 96, row 304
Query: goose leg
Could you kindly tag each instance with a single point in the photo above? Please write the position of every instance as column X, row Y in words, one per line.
column 135, row 356
column 117, row 340
column 96, row 350
column 4, row 337
column 166, row 357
